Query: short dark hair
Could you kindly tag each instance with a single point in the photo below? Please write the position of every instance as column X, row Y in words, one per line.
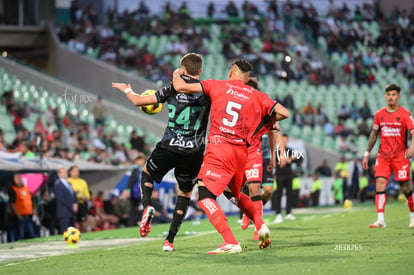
column 71, row 168
column 193, row 63
column 252, row 83
column 243, row 65
column 285, row 135
column 392, row 87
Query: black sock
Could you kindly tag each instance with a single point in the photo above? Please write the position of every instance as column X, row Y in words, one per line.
column 264, row 201
column 182, row 204
column 146, row 194
column 409, row 194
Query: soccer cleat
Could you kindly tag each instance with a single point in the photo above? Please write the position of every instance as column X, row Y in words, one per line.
column 290, row 217
column 256, row 235
column 411, row 225
column 167, row 246
column 264, row 236
column 245, row 222
column 227, row 249
column 145, row 226
column 279, row 218
column 377, row 224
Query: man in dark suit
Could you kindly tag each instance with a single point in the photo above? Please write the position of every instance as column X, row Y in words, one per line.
column 66, row 205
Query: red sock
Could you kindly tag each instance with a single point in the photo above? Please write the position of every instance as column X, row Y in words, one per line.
column 218, row 219
column 380, row 200
column 410, row 201
column 259, row 207
column 247, row 207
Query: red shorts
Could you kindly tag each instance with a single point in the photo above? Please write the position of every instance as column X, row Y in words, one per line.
column 223, row 165
column 254, row 167
column 400, row 167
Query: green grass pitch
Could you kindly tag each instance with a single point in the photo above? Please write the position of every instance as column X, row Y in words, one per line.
column 323, row 241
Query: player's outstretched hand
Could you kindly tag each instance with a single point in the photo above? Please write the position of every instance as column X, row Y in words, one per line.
column 410, row 152
column 120, row 86
column 365, row 163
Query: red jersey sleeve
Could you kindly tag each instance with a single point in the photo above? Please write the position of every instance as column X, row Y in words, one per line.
column 206, row 86
column 267, row 104
column 376, row 124
column 409, row 122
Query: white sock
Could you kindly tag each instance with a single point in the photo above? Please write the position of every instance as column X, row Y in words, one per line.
column 380, row 217
column 412, row 215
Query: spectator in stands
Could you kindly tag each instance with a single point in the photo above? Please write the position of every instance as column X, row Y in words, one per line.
column 81, row 190
column 365, row 111
column 324, row 170
column 329, row 128
column 298, row 118
column 24, row 149
column 231, row 9
column 22, row 209
column 211, row 8
column 100, row 112
column 343, row 113
column 353, row 111
column 342, row 145
column 363, row 128
column 137, row 141
column 309, row 114
column 143, row 11
column 66, row 206
column 288, row 102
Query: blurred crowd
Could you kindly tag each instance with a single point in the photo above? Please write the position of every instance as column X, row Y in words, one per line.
column 67, row 137
column 237, row 33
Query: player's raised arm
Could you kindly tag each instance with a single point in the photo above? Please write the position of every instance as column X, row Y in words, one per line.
column 183, row 87
column 372, row 139
column 279, row 113
column 135, row 98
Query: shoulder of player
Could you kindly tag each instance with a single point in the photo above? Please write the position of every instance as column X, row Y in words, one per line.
column 382, row 110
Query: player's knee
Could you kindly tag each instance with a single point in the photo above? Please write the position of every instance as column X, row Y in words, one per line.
column 204, row 193
column 180, row 212
column 254, row 188
column 147, row 179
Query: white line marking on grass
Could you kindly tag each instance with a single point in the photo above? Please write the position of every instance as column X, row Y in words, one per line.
column 25, row 262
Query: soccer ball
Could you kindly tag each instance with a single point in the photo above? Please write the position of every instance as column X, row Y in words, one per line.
column 348, row 203
column 72, row 235
column 153, row 108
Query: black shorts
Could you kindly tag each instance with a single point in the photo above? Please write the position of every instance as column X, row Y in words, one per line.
column 267, row 178
column 186, row 166
column 82, row 212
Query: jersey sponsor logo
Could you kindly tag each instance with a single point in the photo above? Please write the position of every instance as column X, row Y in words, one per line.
column 257, row 165
column 390, row 132
column 226, row 130
column 183, row 98
column 404, row 167
column 210, row 173
column 180, row 142
column 235, row 93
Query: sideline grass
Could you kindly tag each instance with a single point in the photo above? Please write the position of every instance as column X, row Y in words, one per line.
column 324, row 243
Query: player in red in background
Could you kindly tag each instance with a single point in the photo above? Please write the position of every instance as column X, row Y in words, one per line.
column 393, row 122
column 236, row 112
column 257, row 167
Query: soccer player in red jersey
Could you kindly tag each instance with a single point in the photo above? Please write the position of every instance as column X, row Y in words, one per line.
column 393, row 123
column 255, row 169
column 236, row 112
